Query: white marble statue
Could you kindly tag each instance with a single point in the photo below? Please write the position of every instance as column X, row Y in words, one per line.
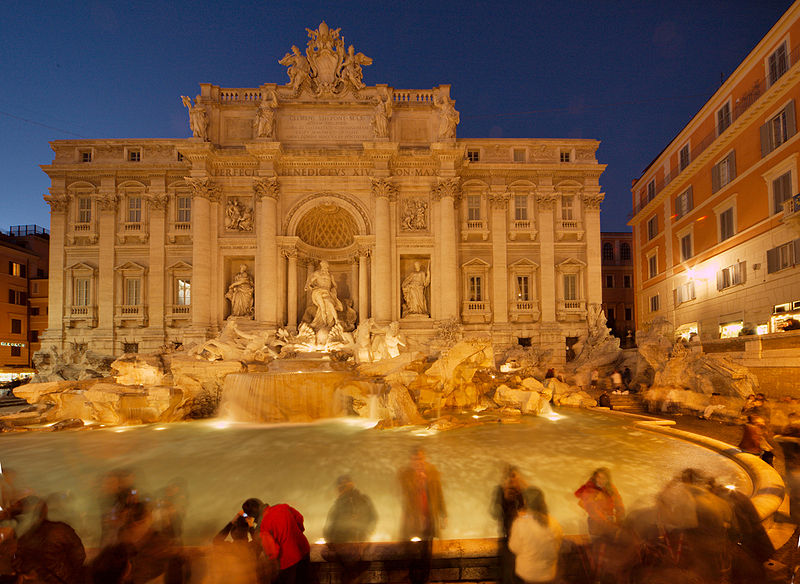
column 299, row 68
column 265, row 117
column 448, row 118
column 240, row 293
column 198, row 118
column 351, row 68
column 323, row 294
column 413, row 288
column 383, row 111
column 387, row 345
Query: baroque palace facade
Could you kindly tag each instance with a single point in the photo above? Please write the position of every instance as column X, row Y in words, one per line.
column 153, row 241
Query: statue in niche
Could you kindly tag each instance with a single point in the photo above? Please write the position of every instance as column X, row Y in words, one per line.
column 448, row 117
column 383, row 111
column 415, row 214
column 299, row 69
column 323, row 294
column 198, row 118
column 414, row 290
column 265, row 117
column 240, row 293
column 238, row 217
column 351, row 68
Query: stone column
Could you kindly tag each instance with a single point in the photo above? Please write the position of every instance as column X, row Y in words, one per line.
column 363, row 292
column 354, row 281
column 106, row 300
column 203, row 192
column 266, row 276
column 57, row 282
column 447, row 192
column 382, row 190
column 546, row 202
column 592, row 197
column 156, row 284
column 499, row 206
column 291, row 288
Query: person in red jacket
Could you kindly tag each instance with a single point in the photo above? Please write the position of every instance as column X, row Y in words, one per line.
column 283, row 540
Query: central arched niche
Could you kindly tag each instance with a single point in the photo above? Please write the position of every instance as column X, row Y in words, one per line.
column 327, row 226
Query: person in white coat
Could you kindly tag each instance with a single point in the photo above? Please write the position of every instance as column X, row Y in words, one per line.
column 535, row 540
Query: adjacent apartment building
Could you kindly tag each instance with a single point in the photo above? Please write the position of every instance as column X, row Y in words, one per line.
column 716, row 216
column 617, row 272
column 23, row 297
column 149, row 237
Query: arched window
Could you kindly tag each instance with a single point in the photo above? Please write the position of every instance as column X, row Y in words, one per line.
column 608, row 252
column 625, row 251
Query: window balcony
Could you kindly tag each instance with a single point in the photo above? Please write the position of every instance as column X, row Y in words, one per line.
column 474, row 227
column 82, row 233
column 130, row 315
column 133, row 231
column 80, row 316
column 476, row 311
column 791, row 213
column 571, row 310
column 178, row 314
column 180, row 229
column 569, row 229
column 524, row 310
column 522, row 228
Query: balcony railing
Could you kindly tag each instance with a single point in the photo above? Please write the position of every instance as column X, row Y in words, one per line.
column 476, row 306
column 475, row 225
column 525, row 305
column 412, row 96
column 740, row 106
column 183, row 226
column 82, row 227
column 133, row 227
column 521, row 224
column 572, row 305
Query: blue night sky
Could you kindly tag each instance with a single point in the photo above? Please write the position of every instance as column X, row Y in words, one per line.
column 628, row 73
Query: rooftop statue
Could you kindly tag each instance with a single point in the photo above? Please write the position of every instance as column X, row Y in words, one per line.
column 198, row 118
column 326, row 69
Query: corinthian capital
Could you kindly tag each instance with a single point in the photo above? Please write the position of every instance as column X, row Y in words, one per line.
column 159, row 201
column 266, row 187
column 546, row 200
column 499, row 200
column 447, row 187
column 108, row 201
column 592, row 200
column 383, row 188
column 203, row 187
column 58, row 203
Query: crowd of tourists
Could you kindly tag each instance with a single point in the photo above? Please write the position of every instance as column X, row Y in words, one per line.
column 696, row 531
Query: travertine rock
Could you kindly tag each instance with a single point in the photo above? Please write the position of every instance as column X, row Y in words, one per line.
column 136, row 369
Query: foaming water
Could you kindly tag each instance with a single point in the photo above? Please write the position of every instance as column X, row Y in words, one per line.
column 223, row 463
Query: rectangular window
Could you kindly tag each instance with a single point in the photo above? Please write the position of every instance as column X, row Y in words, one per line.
column 180, row 157
column 34, row 335
column 16, row 326
column 474, row 155
column 523, row 290
column 86, row 155
column 567, row 207
column 652, row 227
column 184, row 291
column 683, row 157
column 781, row 191
column 519, row 155
column 608, row 252
column 628, row 313
column 651, row 190
column 684, row 292
column 726, row 226
column 652, row 266
column 654, row 304
column 570, row 286
column 731, row 276
column 475, row 289
column 16, row 351
column 784, row 256
column 134, row 155
column 82, row 292
column 184, row 209
column 723, row 172
column 473, row 207
column 84, row 209
column 626, row 281
column 624, row 251
column 778, row 129
column 565, row 156
column 609, row 280
column 521, row 207
column 34, row 311
column 684, row 203
column 777, row 63
column 610, row 315
column 686, row 247
column 17, row 297
column 130, row 347
column 723, row 118
column 134, row 209
column 17, row 269
column 133, row 291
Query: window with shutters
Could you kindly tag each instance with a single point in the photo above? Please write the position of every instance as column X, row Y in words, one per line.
column 84, row 210
column 475, row 289
column 652, row 266
column 16, row 326
column 723, row 172
column 723, row 118
column 523, row 288
column 777, row 63
column 652, row 227
column 567, row 208
column 654, row 303
column 778, row 129
column 134, row 209
column 570, row 286
column 474, row 155
column 726, row 224
column 683, row 157
column 651, row 190
column 686, row 247
column 473, row 207
column 184, row 210
column 683, row 203
column 781, row 191
column 684, row 292
column 520, row 207
column 783, row 256
column 82, row 295
column 731, row 276
column 183, row 292
column 16, row 269
column 133, row 291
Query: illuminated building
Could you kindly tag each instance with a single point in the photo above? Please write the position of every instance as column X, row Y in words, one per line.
column 617, row 276
column 716, row 216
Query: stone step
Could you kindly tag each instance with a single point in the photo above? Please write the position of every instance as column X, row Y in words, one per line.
column 11, row 400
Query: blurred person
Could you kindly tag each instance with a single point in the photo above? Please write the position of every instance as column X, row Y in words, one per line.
column 117, row 494
column 594, row 378
column 243, row 557
column 789, row 441
column 424, row 512
column 604, row 400
column 605, row 511
column 111, row 566
column 152, row 553
column 48, row 552
column 715, row 404
column 171, row 509
column 507, row 501
column 754, row 438
column 627, row 377
column 535, row 540
column 616, row 381
column 283, row 540
column 350, row 523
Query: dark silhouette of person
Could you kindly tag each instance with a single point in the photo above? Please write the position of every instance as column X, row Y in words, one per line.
column 507, row 501
column 350, row 523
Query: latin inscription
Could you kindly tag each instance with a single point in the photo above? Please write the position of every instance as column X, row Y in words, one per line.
column 321, row 127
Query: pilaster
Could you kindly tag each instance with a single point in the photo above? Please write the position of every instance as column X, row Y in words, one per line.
column 382, row 190
column 59, row 210
column 106, row 298
column 546, row 200
column 446, row 192
column 498, row 200
column 266, row 192
column 592, row 197
column 203, row 193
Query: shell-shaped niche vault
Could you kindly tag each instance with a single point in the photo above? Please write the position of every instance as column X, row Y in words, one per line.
column 327, row 226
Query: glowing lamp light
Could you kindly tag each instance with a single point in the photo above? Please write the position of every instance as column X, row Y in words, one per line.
column 320, row 541
column 730, row 487
column 415, row 539
column 160, row 428
column 475, row 416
